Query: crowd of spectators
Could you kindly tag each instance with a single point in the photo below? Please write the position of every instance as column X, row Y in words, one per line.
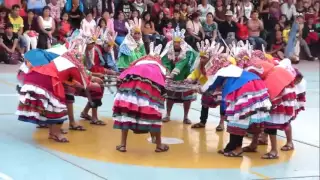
column 40, row 24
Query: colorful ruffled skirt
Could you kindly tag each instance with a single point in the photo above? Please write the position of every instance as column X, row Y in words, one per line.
column 247, row 108
column 37, row 102
column 139, row 102
column 211, row 99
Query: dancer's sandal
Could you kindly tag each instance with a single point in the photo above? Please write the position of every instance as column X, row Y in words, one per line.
column 270, row 156
column 121, row 148
column 63, row 131
column 43, row 126
column 164, row 148
column 233, row 154
column 98, row 123
column 86, row 116
column 219, row 128
column 166, row 119
column 57, row 139
column 287, row 147
column 249, row 149
column 262, row 142
column 187, row 121
column 76, row 128
column 221, row 152
column 198, row 126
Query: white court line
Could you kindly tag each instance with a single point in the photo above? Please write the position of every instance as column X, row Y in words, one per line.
column 5, row 177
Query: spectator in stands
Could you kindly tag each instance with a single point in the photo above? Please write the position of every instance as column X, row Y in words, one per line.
column 247, row 7
column 148, row 29
column 242, row 29
column 299, row 7
column 167, row 31
column 75, row 9
column 105, row 5
column 235, row 8
column 103, row 27
column 195, row 31
column 177, row 21
column 157, row 8
column 228, row 28
column 210, row 28
column 255, row 26
column 109, row 22
column 220, row 12
column 65, row 28
column 55, row 10
column 184, row 11
column 140, row 6
column 88, row 24
column 120, row 28
column 8, row 46
column 91, row 5
column 17, row 23
column 30, row 29
column 46, row 28
column 192, row 7
column 126, row 7
column 160, row 22
column 3, row 19
column 36, row 6
column 204, row 8
column 310, row 32
column 23, row 9
column 277, row 47
column 289, row 9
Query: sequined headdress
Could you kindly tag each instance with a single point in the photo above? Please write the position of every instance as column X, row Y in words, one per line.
column 95, row 35
column 178, row 35
column 134, row 26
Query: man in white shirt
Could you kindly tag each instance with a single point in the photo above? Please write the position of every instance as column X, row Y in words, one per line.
column 289, row 9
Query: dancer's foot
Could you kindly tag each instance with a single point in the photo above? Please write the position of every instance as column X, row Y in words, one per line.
column 249, row 149
column 86, row 116
column 97, row 122
column 58, row 138
column 162, row 148
column 198, row 125
column 270, row 155
column 220, row 128
column 287, row 147
column 75, row 127
column 121, row 148
column 166, row 119
column 187, row 121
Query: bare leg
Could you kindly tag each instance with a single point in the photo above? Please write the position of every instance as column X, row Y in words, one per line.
column 70, row 114
column 273, row 153
column 289, row 145
column 253, row 145
column 186, row 108
column 123, row 145
column 169, row 108
column 86, row 109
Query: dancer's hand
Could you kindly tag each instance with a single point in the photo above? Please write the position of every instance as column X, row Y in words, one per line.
column 190, row 81
column 96, row 80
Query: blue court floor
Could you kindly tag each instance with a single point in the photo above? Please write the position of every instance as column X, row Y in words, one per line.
column 27, row 154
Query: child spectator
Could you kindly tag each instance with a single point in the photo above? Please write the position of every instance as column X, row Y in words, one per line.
column 242, row 30
column 55, row 10
column 184, row 11
column 277, row 47
column 64, row 28
column 167, row 31
column 8, row 46
column 88, row 24
column 309, row 32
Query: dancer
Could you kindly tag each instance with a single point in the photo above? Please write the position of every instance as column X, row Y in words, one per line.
column 93, row 58
column 208, row 100
column 139, row 102
column 179, row 60
column 245, row 100
column 42, row 99
column 283, row 94
column 132, row 47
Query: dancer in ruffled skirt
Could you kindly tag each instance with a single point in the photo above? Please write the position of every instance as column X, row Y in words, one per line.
column 139, row 102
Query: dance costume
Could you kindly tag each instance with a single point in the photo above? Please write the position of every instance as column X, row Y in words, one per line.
column 130, row 49
column 139, row 102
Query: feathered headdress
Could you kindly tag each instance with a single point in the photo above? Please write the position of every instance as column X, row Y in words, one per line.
column 134, row 26
column 177, row 34
column 204, row 48
column 95, row 35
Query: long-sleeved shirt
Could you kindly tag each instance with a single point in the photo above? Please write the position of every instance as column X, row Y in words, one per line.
column 55, row 11
column 120, row 28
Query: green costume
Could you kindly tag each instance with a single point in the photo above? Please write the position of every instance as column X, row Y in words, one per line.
column 126, row 56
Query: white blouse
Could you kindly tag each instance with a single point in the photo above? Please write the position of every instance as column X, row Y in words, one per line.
column 88, row 27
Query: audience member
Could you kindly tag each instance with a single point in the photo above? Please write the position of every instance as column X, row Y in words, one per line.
column 195, row 31
column 65, row 28
column 30, row 29
column 255, row 26
column 46, row 28
column 210, row 28
column 120, row 28
column 55, row 10
column 88, row 25
column 204, row 8
column 8, row 46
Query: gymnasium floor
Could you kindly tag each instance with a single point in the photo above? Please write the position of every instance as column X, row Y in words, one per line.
column 27, row 154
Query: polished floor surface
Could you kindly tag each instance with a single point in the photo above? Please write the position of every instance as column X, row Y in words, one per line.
column 27, row 154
